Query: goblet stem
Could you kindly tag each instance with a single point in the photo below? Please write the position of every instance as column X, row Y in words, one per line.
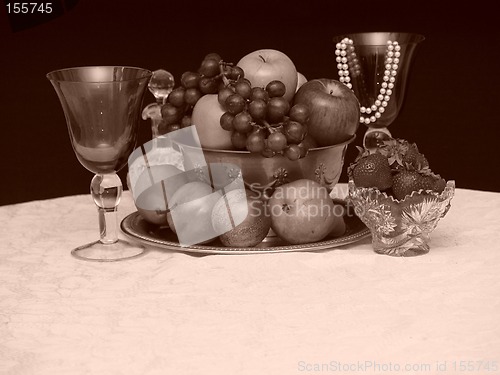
column 107, row 225
column 375, row 137
column 106, row 190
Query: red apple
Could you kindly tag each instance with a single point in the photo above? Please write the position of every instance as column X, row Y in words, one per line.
column 266, row 65
column 339, row 226
column 302, row 212
column 206, row 118
column 334, row 110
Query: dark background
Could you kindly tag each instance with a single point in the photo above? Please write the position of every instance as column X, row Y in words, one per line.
column 451, row 109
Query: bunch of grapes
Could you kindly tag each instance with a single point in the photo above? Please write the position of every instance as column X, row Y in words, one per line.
column 262, row 121
column 212, row 75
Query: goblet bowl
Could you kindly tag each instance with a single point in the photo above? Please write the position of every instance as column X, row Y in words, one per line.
column 376, row 66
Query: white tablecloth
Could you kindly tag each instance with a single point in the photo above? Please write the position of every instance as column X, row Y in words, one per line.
column 346, row 310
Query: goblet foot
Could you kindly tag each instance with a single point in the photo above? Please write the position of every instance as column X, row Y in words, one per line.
column 113, row 252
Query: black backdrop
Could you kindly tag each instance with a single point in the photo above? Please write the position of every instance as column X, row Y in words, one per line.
column 451, row 108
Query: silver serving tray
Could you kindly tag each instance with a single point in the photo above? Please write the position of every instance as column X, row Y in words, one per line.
column 139, row 230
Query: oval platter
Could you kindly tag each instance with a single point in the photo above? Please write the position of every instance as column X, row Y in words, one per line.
column 139, row 230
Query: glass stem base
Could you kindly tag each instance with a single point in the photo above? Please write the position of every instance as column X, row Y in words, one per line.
column 105, row 252
column 375, row 137
column 106, row 190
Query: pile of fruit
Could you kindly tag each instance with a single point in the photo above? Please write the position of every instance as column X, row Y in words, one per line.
column 299, row 212
column 397, row 168
column 265, row 106
column 262, row 105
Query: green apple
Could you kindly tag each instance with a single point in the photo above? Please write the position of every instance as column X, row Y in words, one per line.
column 206, row 118
column 266, row 65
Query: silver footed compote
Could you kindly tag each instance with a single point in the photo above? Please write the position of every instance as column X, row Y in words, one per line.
column 375, row 66
column 102, row 107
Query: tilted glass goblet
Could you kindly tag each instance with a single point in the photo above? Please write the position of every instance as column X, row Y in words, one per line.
column 102, row 107
column 375, row 66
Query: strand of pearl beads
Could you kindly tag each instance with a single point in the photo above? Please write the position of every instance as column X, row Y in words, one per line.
column 346, row 58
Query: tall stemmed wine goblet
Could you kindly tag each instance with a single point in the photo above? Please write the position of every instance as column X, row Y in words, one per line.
column 102, row 106
column 375, row 66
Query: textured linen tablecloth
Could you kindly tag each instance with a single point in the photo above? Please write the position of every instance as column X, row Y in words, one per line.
column 345, row 310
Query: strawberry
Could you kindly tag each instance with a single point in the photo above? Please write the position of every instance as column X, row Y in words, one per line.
column 397, row 164
column 403, row 155
column 372, row 170
column 405, row 182
column 414, row 158
column 427, row 182
column 439, row 185
column 408, row 181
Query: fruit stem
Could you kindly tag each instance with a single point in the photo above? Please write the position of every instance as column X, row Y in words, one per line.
column 223, row 64
column 286, row 208
column 268, row 126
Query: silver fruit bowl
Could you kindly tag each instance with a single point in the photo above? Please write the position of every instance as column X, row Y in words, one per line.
column 260, row 174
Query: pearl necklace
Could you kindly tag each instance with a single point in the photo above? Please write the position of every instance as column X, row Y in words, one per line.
column 350, row 62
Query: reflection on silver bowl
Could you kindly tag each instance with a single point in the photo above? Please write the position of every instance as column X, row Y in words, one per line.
column 323, row 165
